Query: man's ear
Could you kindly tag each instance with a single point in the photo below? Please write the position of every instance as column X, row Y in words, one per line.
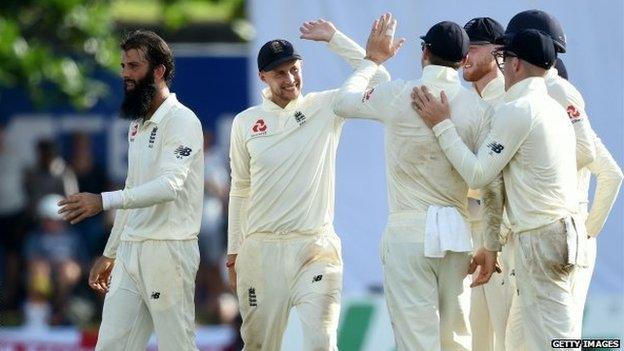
column 262, row 76
column 159, row 72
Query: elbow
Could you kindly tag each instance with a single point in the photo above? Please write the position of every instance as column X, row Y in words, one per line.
column 338, row 105
column 586, row 157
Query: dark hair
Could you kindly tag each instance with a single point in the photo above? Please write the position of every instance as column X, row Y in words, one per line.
column 155, row 48
column 436, row 60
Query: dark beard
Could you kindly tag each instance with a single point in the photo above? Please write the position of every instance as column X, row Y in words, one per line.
column 137, row 102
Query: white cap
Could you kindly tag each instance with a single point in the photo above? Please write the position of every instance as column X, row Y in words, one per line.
column 48, row 208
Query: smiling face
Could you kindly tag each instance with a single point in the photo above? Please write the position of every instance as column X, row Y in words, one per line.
column 479, row 62
column 284, row 81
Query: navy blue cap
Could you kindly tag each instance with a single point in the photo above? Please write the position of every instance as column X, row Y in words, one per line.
column 275, row 52
column 534, row 47
column 536, row 19
column 484, row 30
column 448, row 41
column 561, row 69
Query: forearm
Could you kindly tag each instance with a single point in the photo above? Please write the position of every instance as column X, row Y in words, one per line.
column 348, row 101
column 165, row 188
column 237, row 213
column 493, row 204
column 354, row 54
column 608, row 182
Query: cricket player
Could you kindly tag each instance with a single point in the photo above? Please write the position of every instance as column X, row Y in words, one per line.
column 490, row 303
column 529, row 142
column 282, row 248
column 151, row 258
column 427, row 244
column 608, row 173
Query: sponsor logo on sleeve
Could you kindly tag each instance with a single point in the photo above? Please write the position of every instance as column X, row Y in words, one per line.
column 182, row 152
column 367, row 95
column 573, row 113
column 495, row 147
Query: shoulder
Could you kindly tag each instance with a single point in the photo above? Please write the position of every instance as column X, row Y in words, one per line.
column 183, row 116
column 564, row 92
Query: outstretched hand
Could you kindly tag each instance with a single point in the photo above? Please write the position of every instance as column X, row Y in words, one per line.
column 319, row 30
column 381, row 44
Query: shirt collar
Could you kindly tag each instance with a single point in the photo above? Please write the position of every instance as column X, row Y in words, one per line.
column 268, row 104
column 494, row 88
column 526, row 86
column 442, row 77
column 552, row 73
column 162, row 110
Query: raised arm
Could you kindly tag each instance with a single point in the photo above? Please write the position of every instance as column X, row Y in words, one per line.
column 355, row 98
column 342, row 45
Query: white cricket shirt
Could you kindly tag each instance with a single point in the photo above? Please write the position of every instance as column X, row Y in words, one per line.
column 418, row 173
column 532, row 142
column 163, row 194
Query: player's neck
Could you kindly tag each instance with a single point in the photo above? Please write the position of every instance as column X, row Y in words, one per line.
column 161, row 95
column 485, row 80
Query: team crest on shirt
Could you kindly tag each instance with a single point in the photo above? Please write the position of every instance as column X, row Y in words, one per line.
column 259, row 128
column 152, row 138
column 300, row 118
column 367, row 94
column 573, row 113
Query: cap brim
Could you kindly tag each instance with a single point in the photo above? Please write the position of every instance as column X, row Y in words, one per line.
column 278, row 62
column 480, row 42
column 502, row 40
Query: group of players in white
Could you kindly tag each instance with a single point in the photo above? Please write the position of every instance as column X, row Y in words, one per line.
column 489, row 243
column 471, row 173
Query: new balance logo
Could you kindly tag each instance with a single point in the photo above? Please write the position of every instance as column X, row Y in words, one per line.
column 317, row 278
column 253, row 300
column 496, row 147
column 182, row 151
column 155, row 295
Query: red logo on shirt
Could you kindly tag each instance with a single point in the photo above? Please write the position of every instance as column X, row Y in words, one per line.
column 573, row 113
column 133, row 131
column 260, row 126
column 367, row 95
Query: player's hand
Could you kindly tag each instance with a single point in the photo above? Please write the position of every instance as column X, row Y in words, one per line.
column 319, row 30
column 79, row 206
column 99, row 276
column 428, row 107
column 381, row 44
column 231, row 260
column 487, row 262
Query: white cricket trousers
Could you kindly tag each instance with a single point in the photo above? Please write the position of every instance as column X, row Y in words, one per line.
column 428, row 298
column 152, row 289
column 276, row 272
column 580, row 286
column 490, row 303
column 543, row 305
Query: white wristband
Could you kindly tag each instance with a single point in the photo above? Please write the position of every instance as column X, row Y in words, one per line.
column 112, row 200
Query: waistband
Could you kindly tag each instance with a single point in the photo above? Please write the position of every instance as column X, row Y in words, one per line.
column 327, row 229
